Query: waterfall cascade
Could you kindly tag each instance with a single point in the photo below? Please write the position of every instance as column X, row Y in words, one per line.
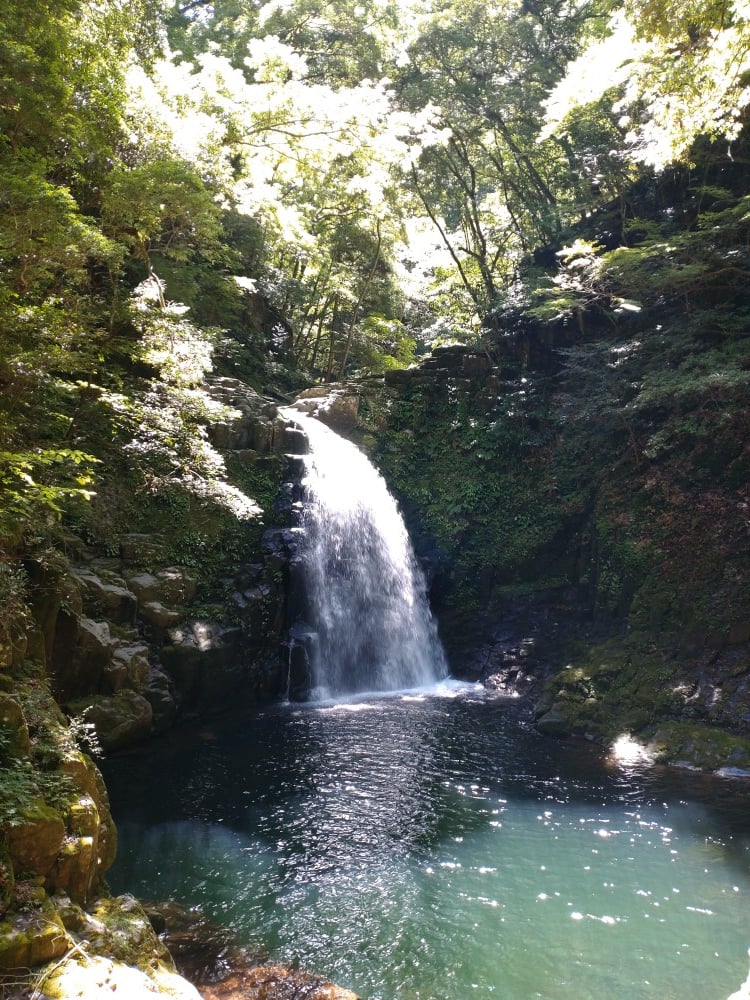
column 370, row 627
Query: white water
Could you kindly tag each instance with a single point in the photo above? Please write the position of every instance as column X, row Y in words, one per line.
column 366, row 593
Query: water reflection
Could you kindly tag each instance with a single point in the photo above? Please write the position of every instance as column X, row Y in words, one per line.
column 427, row 847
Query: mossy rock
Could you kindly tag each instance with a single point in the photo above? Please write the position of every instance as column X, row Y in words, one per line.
column 35, row 838
column 99, row 978
column 120, row 720
column 699, row 746
column 610, row 688
column 31, row 938
column 121, row 929
column 77, row 870
column 14, row 731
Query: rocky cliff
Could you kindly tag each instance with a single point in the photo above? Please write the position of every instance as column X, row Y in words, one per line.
column 115, row 643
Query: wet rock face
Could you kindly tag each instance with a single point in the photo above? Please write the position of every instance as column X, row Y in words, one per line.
column 206, row 662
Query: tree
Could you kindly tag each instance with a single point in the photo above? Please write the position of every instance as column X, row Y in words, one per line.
column 490, row 185
column 672, row 72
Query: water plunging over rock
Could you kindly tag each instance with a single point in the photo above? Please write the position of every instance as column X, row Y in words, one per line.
column 370, row 627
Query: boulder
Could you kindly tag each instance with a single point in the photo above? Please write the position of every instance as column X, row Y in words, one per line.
column 120, row 719
column 91, row 653
column 338, row 408
column 145, row 586
column 106, row 595
column 119, row 927
column 35, row 837
column 128, row 668
column 137, row 965
column 161, row 617
column 32, row 937
column 177, row 585
column 14, row 731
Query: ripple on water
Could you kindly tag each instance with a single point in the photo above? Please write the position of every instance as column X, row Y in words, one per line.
column 426, row 847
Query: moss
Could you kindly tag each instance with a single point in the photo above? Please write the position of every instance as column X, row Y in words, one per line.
column 31, row 937
column 609, row 688
column 473, row 475
column 701, row 746
column 122, row 931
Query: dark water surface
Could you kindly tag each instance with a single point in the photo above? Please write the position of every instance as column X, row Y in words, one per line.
column 437, row 848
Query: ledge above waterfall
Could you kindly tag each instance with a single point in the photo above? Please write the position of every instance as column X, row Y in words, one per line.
column 338, row 407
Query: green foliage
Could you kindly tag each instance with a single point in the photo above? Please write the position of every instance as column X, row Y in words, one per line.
column 658, row 56
column 482, row 483
column 161, row 207
column 14, row 611
column 23, row 787
column 492, row 185
column 35, row 485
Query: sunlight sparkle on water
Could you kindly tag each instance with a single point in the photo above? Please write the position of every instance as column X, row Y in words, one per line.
column 625, row 750
column 366, row 841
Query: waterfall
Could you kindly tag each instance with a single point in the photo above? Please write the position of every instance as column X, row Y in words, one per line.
column 365, row 593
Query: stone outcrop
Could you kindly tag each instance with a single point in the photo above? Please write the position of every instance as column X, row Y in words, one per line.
column 336, row 406
column 147, row 658
column 120, row 720
column 267, row 982
column 254, row 426
column 112, row 950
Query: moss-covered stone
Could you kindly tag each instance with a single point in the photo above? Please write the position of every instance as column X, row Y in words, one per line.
column 609, row 688
column 14, row 731
column 120, row 719
column 32, row 937
column 77, row 869
column 119, row 928
column 35, row 838
column 700, row 746
column 99, row 978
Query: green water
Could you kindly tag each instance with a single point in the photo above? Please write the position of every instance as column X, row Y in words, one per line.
column 437, row 848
